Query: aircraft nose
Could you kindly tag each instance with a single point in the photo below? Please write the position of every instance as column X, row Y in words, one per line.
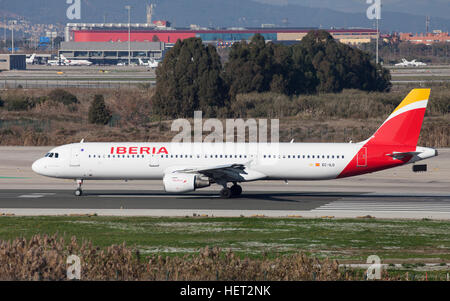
column 38, row 166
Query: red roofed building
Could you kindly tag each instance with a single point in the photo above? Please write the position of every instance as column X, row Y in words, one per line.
column 431, row 38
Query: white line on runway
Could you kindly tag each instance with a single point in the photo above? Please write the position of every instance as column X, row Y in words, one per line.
column 437, row 206
column 159, row 196
column 35, row 195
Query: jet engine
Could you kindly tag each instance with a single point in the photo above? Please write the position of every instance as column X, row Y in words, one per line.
column 183, row 182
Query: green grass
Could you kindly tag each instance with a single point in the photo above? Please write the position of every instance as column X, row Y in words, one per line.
column 348, row 240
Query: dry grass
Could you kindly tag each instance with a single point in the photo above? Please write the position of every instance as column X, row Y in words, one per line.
column 326, row 118
column 44, row 257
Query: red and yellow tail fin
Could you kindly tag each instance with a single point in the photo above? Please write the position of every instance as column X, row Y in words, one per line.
column 404, row 124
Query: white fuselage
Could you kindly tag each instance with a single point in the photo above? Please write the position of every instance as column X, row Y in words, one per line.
column 132, row 161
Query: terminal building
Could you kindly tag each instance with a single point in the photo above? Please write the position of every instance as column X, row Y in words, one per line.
column 158, row 31
column 112, row 52
column 108, row 43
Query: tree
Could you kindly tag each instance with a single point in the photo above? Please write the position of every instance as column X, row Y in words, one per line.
column 254, row 67
column 62, row 96
column 189, row 79
column 322, row 64
column 98, row 112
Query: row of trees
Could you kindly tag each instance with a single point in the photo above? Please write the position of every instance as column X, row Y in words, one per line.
column 192, row 77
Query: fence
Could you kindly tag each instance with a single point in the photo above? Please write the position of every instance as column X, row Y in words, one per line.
column 39, row 84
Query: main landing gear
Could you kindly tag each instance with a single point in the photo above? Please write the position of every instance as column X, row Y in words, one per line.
column 79, row 191
column 233, row 191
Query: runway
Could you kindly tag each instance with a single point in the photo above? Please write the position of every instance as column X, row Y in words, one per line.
column 254, row 203
column 396, row 193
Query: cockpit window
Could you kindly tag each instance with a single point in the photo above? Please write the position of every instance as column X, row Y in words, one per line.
column 56, row 155
column 51, row 155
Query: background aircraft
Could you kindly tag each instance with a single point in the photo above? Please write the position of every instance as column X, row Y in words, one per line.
column 151, row 63
column 413, row 63
column 30, row 60
column 75, row 62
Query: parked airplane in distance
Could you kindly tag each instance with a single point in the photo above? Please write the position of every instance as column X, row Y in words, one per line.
column 413, row 63
column 57, row 62
column 30, row 60
column 151, row 63
column 185, row 167
column 75, row 62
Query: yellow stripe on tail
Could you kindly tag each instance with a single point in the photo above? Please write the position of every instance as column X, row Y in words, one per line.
column 414, row 96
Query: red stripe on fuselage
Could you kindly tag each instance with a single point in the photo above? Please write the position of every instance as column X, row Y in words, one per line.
column 377, row 159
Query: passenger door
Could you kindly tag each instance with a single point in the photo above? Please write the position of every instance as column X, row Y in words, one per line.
column 361, row 159
column 75, row 153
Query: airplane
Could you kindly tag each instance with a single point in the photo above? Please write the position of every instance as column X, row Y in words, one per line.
column 186, row 167
column 57, row 62
column 30, row 60
column 151, row 63
column 75, row 62
column 413, row 63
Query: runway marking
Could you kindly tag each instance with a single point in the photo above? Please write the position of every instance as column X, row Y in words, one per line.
column 437, row 206
column 158, row 196
column 35, row 195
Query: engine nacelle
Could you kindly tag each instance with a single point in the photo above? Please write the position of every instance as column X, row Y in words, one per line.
column 183, row 182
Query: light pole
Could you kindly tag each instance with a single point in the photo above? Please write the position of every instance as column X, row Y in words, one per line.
column 378, row 38
column 128, row 7
column 12, row 23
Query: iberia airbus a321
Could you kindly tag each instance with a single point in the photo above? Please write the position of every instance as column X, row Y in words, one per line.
column 185, row 167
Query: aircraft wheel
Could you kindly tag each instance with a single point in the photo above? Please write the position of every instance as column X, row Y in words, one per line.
column 226, row 193
column 78, row 192
column 236, row 190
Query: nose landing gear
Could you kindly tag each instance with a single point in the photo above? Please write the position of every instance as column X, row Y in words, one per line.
column 79, row 191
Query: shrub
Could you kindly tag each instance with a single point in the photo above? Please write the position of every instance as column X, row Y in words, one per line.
column 62, row 96
column 98, row 112
column 19, row 103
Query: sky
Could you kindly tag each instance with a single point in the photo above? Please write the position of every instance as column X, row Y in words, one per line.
column 436, row 8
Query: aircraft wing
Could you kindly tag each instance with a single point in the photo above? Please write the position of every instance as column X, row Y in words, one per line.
column 215, row 170
column 224, row 173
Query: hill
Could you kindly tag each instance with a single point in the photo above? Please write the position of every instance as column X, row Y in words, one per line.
column 218, row 13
